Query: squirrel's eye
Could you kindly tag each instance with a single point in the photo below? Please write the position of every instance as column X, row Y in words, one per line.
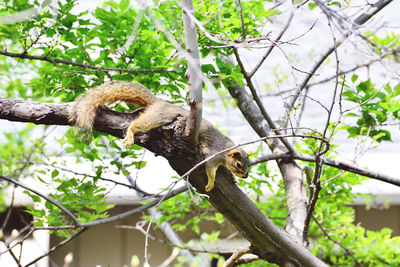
column 239, row 165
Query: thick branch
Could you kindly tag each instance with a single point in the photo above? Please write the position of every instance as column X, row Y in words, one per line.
column 296, row 196
column 194, row 71
column 268, row 241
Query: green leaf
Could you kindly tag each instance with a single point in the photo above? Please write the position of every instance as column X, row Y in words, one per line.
column 54, row 173
column 354, row 78
column 124, row 4
column 34, row 197
column 312, row 5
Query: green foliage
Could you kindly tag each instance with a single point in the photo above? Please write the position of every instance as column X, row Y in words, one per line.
column 383, row 42
column 375, row 108
column 180, row 210
column 81, row 196
column 118, row 36
column 73, row 37
column 337, row 219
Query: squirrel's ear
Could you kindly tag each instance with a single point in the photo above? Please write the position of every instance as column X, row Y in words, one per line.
column 235, row 154
column 249, row 152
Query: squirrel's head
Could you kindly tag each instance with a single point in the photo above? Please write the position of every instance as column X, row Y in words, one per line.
column 237, row 161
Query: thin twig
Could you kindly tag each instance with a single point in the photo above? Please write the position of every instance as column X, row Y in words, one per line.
column 235, row 256
column 277, row 39
column 364, row 17
column 138, row 209
column 335, row 241
column 62, row 243
column 256, row 98
column 8, row 214
column 11, row 252
column 92, row 176
column 242, row 20
column 146, row 242
column 316, row 183
column 338, row 165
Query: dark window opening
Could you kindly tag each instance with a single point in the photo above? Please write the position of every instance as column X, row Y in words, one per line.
column 18, row 220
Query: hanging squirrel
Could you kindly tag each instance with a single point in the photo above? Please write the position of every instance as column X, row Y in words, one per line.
column 158, row 112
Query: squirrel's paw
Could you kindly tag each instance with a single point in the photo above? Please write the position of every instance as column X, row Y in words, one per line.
column 128, row 140
column 209, row 187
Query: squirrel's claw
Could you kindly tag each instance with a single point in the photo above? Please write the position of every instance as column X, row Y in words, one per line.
column 209, row 187
column 128, row 140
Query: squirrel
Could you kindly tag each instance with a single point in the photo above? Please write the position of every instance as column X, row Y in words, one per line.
column 156, row 113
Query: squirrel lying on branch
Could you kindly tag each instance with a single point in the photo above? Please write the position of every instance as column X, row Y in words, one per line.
column 156, row 113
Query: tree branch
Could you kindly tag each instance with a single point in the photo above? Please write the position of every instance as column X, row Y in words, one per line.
column 56, row 61
column 296, row 197
column 260, row 106
column 269, row 241
column 360, row 20
column 269, row 50
column 235, row 256
column 62, row 243
column 242, row 20
column 55, row 203
column 194, row 72
column 333, row 163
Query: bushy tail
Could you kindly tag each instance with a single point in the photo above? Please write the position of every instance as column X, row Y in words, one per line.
column 84, row 110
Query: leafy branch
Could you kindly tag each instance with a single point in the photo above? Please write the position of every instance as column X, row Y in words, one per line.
column 56, row 61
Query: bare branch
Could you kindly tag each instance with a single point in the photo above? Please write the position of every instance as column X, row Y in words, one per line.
column 284, row 29
column 316, row 182
column 194, row 71
column 336, row 164
column 259, row 103
column 190, row 129
column 235, row 256
column 364, row 17
column 62, row 243
column 296, row 197
column 241, row 19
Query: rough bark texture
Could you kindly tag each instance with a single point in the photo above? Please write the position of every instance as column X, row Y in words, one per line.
column 268, row 241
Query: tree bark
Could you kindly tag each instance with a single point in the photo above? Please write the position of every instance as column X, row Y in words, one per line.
column 193, row 72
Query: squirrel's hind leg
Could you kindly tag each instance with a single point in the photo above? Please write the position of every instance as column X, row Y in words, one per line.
column 152, row 117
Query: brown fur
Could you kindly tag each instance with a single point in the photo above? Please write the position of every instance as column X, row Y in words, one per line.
column 158, row 112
